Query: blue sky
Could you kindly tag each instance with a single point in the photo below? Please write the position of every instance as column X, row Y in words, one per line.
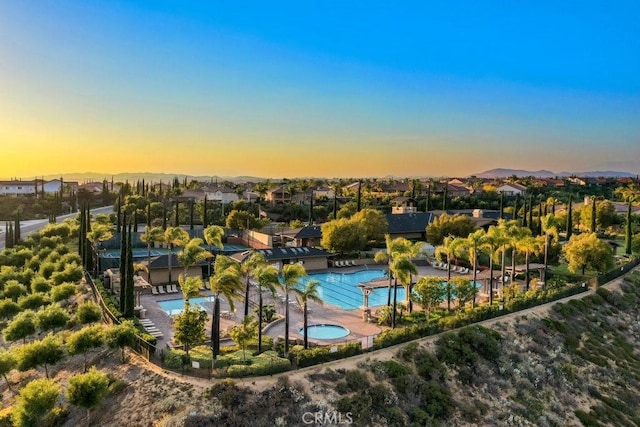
column 318, row 88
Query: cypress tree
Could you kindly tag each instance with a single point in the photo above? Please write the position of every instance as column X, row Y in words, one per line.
column 627, row 230
column 531, row 225
column 148, row 213
column 501, row 205
column 80, row 235
column 516, row 207
column 569, row 218
column 164, row 214
column 87, row 245
column 129, row 303
column 359, row 200
column 335, row 204
column 177, row 221
column 205, row 222
column 123, row 263
column 11, row 237
column 191, row 204
column 444, row 197
column 135, row 221
column 16, row 231
column 7, row 243
column 311, row 209
column 593, row 215
column 427, row 205
column 119, row 217
column 524, row 213
column 540, row 219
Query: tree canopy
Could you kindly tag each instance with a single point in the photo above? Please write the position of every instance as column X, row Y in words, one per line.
column 457, row 225
column 586, row 251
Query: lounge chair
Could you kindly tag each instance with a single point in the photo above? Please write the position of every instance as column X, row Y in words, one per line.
column 174, row 289
column 207, row 286
column 352, row 263
column 154, row 290
column 337, row 263
column 161, row 290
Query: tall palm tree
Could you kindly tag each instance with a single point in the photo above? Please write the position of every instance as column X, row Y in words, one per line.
column 226, row 282
column 192, row 254
column 291, row 275
column 394, row 248
column 502, row 236
column 515, row 233
column 213, row 236
column 449, row 249
column 550, row 230
column 403, row 269
column 151, row 235
column 250, row 267
column 490, row 245
column 267, row 276
column 310, row 292
column 473, row 244
column 529, row 245
column 174, row 236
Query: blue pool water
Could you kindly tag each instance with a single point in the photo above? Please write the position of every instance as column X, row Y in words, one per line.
column 325, row 332
column 175, row 306
column 341, row 289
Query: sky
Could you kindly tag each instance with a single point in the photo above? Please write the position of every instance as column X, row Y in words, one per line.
column 318, row 88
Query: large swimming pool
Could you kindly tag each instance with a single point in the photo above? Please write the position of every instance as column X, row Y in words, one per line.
column 175, row 306
column 341, row 289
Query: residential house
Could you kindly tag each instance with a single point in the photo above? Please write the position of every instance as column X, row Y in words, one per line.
column 223, row 195
column 512, row 189
column 412, row 226
column 402, row 205
column 323, row 192
column 278, row 195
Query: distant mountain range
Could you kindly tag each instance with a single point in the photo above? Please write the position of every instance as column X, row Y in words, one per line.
column 83, row 177
column 505, row 173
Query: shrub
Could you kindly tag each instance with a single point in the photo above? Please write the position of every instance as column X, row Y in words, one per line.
column 171, row 359
column 88, row 312
column 314, row 356
column 33, row 301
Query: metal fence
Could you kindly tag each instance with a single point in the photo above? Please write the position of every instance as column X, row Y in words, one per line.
column 617, row 272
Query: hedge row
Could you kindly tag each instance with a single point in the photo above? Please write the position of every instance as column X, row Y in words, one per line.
column 316, row 355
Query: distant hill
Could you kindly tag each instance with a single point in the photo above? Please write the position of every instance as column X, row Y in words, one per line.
column 147, row 176
column 505, row 173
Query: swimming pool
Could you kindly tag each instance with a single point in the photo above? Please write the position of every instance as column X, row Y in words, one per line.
column 325, row 332
column 341, row 289
column 175, row 306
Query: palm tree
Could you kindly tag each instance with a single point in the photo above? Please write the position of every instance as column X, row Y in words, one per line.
column 473, row 243
column 250, row 267
column 490, row 245
column 267, row 276
column 528, row 244
column 174, row 236
column 192, row 254
column 310, row 292
column 291, row 275
column 502, row 236
column 394, row 248
column 403, row 269
column 213, row 236
column 550, row 230
column 515, row 233
column 150, row 236
column 226, row 282
column 449, row 248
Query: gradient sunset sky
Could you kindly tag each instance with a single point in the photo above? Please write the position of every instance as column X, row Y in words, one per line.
column 318, row 88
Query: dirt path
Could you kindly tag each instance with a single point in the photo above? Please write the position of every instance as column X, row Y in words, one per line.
column 262, row 383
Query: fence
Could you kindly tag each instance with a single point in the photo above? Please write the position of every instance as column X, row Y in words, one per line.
column 617, row 272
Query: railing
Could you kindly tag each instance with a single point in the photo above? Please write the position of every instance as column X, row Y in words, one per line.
column 617, row 272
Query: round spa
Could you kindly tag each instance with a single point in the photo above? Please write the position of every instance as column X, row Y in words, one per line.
column 325, row 332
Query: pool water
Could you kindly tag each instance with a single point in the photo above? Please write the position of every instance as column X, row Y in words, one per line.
column 325, row 332
column 175, row 306
column 341, row 289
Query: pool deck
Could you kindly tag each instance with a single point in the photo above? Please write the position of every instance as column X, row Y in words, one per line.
column 318, row 314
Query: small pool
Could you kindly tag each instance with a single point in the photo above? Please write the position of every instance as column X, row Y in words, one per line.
column 175, row 306
column 325, row 332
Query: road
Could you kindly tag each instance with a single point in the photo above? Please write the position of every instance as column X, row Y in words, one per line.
column 28, row 227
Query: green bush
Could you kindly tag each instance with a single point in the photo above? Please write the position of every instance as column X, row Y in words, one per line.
column 268, row 363
column 172, row 359
column 322, row 354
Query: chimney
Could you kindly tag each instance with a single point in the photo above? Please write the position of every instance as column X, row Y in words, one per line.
column 477, row 213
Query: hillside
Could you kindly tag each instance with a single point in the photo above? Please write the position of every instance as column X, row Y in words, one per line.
column 579, row 361
column 506, row 173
